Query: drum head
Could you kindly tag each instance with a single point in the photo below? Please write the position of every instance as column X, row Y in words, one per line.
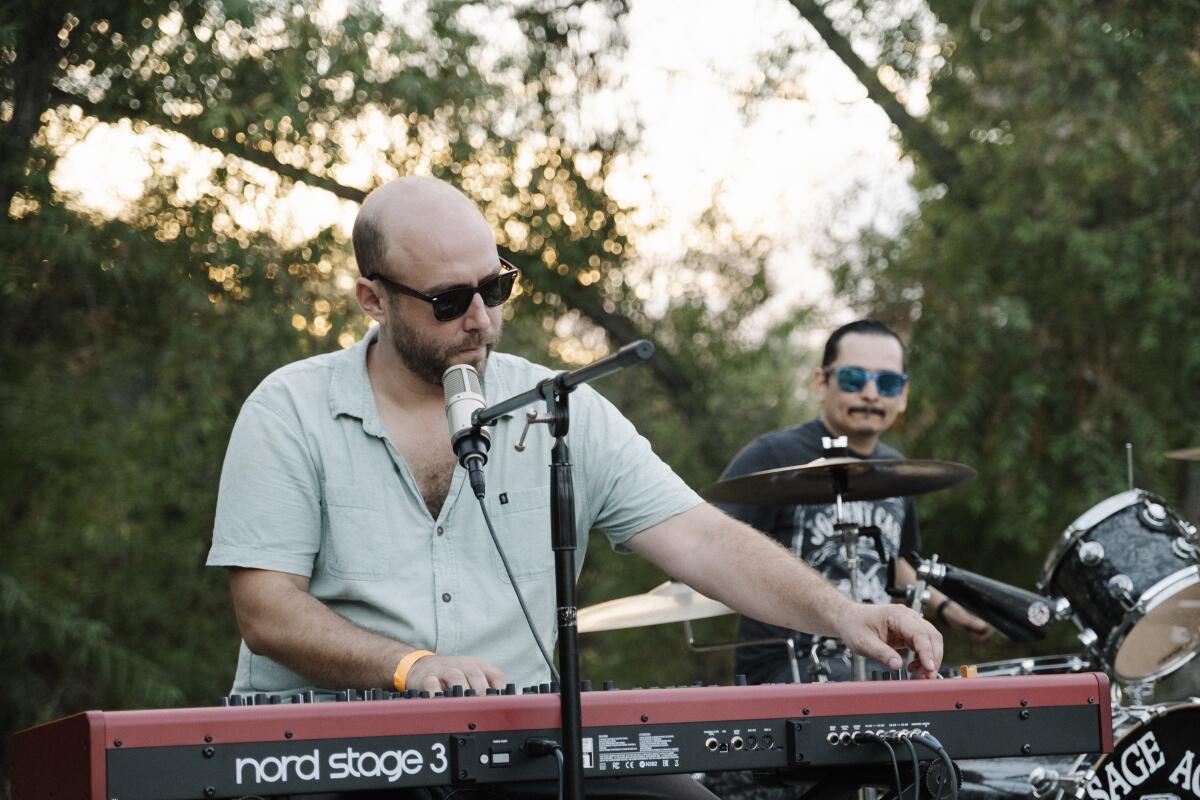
column 1156, row 758
column 1082, row 524
column 1168, row 635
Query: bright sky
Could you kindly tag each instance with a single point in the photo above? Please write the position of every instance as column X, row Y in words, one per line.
column 799, row 170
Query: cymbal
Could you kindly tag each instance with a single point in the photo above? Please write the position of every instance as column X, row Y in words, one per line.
column 1186, row 454
column 815, row 482
column 667, row 602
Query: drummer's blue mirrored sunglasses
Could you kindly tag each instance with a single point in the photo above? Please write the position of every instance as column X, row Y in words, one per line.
column 853, row 379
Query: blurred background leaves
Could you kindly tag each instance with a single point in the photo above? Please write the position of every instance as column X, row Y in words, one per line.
column 1047, row 280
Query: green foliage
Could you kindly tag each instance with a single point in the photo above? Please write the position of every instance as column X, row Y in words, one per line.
column 1051, row 293
column 57, row 657
column 130, row 343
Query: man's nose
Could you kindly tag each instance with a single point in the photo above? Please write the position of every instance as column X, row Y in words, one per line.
column 477, row 317
column 870, row 389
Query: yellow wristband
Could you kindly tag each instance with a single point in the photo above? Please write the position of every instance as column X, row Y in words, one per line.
column 406, row 664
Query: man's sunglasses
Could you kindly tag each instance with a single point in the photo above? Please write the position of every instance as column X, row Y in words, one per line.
column 853, row 379
column 452, row 303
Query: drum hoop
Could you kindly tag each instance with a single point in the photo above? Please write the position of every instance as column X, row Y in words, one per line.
column 1084, row 523
column 1151, row 599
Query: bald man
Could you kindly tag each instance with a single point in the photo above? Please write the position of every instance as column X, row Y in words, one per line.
column 357, row 554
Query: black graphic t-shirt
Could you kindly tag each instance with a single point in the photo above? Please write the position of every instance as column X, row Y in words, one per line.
column 808, row 531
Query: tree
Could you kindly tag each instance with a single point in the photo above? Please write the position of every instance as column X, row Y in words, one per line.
column 1049, row 284
column 131, row 340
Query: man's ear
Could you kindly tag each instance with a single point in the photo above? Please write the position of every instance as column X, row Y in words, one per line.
column 370, row 298
column 902, row 406
column 820, row 382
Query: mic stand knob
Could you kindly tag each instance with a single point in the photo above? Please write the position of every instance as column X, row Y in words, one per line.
column 531, row 419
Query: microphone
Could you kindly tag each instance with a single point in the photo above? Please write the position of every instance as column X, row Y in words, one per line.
column 464, row 396
column 1020, row 615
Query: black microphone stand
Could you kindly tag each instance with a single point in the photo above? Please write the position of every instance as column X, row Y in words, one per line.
column 556, row 391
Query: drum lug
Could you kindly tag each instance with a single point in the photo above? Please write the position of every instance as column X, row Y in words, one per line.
column 1154, row 515
column 1120, row 586
column 1091, row 553
column 1061, row 607
column 1185, row 548
column 1088, row 638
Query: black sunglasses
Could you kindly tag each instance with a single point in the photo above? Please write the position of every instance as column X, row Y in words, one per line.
column 452, row 303
column 853, row 379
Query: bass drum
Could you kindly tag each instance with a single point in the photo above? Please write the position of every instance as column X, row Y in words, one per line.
column 1158, row 758
column 1130, row 567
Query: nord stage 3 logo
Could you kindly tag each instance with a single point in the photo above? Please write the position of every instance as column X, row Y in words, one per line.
column 341, row 764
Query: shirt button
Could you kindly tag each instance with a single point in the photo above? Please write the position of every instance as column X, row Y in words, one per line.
column 445, row 597
column 440, row 531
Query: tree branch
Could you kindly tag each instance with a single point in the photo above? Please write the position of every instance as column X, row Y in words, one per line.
column 619, row 327
column 202, row 136
column 941, row 162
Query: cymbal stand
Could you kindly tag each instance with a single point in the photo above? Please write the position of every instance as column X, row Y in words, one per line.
column 849, row 533
column 920, row 589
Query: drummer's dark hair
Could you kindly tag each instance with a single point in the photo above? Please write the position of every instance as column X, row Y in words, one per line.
column 869, row 327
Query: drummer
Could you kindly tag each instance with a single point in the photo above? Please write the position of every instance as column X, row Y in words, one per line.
column 863, row 388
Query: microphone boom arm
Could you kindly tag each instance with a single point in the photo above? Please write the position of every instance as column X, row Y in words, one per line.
column 563, row 382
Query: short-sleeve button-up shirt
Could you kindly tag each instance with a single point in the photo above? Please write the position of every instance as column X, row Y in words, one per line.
column 312, row 486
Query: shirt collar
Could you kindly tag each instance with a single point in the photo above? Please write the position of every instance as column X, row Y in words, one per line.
column 350, row 387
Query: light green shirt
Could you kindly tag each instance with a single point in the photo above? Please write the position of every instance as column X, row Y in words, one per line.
column 312, row 486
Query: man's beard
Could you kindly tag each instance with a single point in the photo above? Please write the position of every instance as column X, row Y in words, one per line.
column 429, row 361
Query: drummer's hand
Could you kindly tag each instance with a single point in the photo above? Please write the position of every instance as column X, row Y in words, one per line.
column 440, row 673
column 967, row 622
column 878, row 631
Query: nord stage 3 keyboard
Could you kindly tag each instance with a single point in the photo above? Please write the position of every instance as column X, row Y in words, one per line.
column 297, row 748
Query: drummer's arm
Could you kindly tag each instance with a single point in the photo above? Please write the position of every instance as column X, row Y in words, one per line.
column 941, row 608
column 744, row 569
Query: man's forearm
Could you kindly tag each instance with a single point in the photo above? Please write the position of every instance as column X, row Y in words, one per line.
column 283, row 622
column 731, row 562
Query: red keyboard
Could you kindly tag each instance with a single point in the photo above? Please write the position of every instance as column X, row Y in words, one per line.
column 295, row 748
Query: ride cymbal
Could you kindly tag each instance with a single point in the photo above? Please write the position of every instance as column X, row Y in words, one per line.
column 822, row 480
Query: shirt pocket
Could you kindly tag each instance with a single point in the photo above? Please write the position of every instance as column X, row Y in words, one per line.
column 357, row 539
column 523, row 528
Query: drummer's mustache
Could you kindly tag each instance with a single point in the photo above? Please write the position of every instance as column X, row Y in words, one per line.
column 867, row 410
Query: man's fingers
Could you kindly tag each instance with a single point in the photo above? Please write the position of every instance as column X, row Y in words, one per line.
column 495, row 676
column 925, row 640
column 908, row 629
column 442, row 673
column 875, row 647
column 477, row 680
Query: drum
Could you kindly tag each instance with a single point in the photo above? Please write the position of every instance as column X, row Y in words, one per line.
column 1130, row 568
column 1156, row 758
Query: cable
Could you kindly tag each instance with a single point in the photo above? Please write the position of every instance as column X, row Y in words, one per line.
column 562, row 779
column 916, row 765
column 538, row 747
column 520, row 598
column 867, row 736
column 930, row 742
